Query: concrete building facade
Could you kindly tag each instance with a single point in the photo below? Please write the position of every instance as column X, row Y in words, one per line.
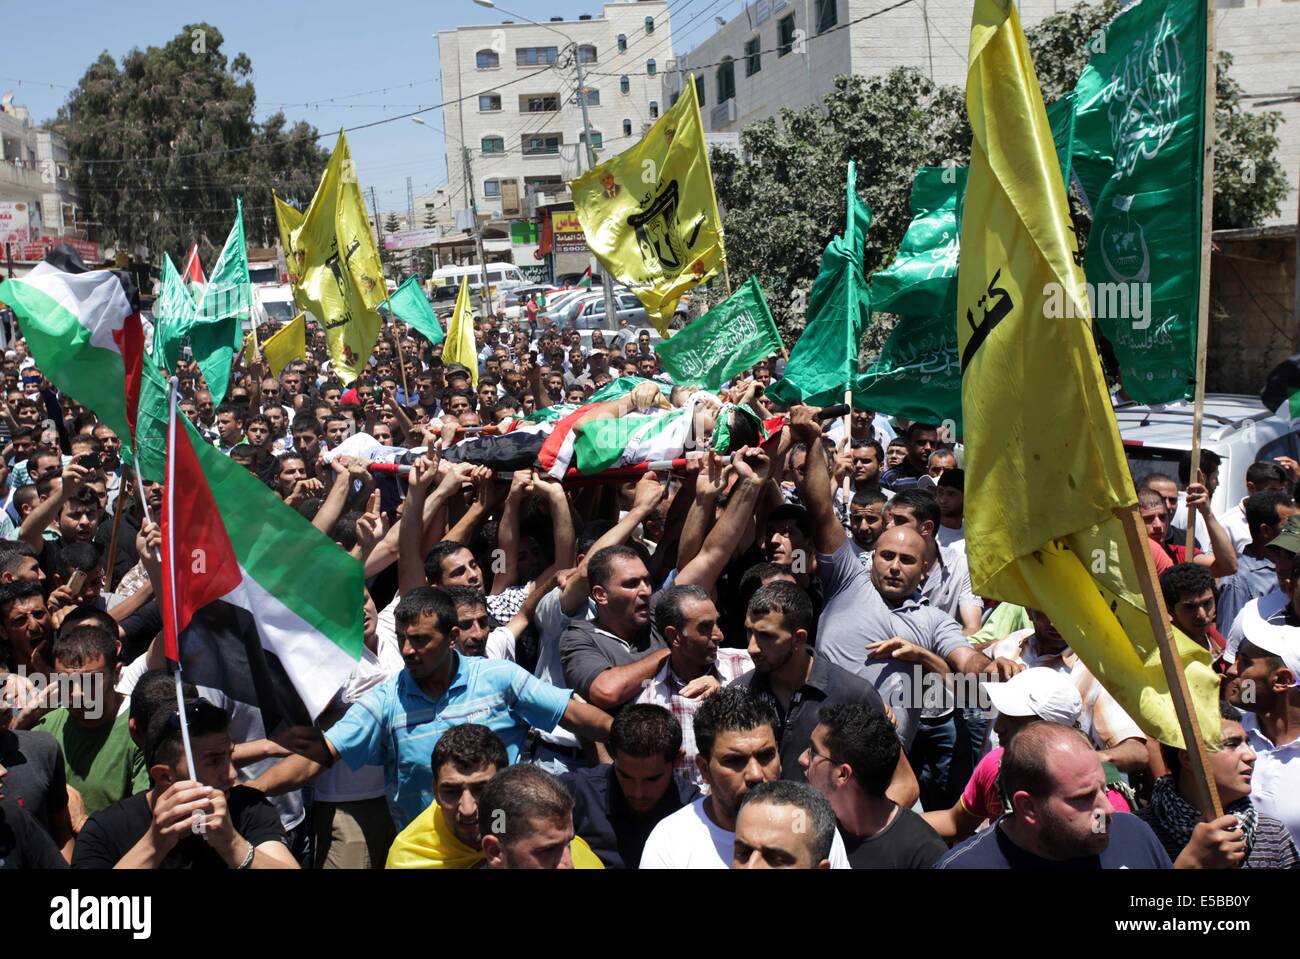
column 34, row 172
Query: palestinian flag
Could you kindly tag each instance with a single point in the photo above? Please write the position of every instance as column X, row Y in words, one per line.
column 256, row 601
column 193, row 275
column 585, row 279
column 83, row 327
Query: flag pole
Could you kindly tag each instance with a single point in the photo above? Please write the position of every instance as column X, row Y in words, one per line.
column 1171, row 662
column 850, row 352
column 1207, row 227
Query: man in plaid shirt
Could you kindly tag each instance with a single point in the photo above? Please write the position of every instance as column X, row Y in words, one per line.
column 696, row 666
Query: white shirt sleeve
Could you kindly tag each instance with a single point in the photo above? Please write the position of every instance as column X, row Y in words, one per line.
column 500, row 644
column 132, row 674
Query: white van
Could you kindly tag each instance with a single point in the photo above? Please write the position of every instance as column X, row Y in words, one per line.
column 501, row 276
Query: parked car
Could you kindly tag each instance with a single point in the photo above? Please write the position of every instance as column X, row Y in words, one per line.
column 1236, row 427
column 591, row 314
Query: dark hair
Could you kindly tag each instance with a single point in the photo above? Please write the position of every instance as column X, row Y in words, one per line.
column 600, row 567
column 819, row 819
column 238, row 410
column 154, row 690
column 863, row 738
column 1262, row 471
column 303, row 423
column 1024, row 761
column 644, row 730
column 1184, row 578
column 1210, row 461
column 869, row 444
column 85, row 496
column 466, row 596
column 12, row 553
column 18, row 589
column 592, row 531
column 91, row 617
column 83, row 644
column 914, row 428
column 518, row 795
column 1261, row 509
column 754, row 577
column 922, row 503
column 668, row 608
column 1227, row 712
column 864, row 498
column 791, row 601
column 427, row 601
column 78, row 556
column 164, row 742
column 1148, row 497
column 433, row 562
column 468, row 747
column 1146, row 481
column 732, row 709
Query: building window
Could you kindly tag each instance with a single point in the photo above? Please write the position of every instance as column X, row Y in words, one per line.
column 654, row 109
column 536, row 56
column 827, row 17
column 622, row 43
column 587, row 53
column 624, row 85
column 487, row 60
column 489, row 103
column 753, row 57
column 627, row 127
column 651, row 68
column 541, row 144
column 63, row 171
column 726, row 78
column 539, row 103
column 785, row 35
column 590, row 94
column 649, row 24
column 699, row 87
column 494, row 145
column 492, row 188
column 597, row 139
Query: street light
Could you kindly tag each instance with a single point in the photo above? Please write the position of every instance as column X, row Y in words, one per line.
column 610, row 316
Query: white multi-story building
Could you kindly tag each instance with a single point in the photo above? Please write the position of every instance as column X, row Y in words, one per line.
column 34, row 173
column 779, row 54
column 518, row 111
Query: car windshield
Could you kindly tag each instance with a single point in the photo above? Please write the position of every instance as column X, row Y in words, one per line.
column 281, row 310
column 1143, row 460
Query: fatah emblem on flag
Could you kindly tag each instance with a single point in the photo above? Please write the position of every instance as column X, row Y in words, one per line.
column 995, row 311
column 656, row 232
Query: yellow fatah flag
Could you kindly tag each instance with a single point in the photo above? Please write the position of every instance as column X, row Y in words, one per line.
column 334, row 256
column 1047, row 466
column 430, row 842
column 459, row 346
column 650, row 214
column 287, row 219
column 285, row 346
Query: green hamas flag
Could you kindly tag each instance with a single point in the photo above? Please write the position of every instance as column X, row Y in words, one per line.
column 824, row 361
column 731, row 337
column 217, row 331
column 409, row 304
column 1139, row 136
column 922, row 280
column 917, row 375
column 173, row 314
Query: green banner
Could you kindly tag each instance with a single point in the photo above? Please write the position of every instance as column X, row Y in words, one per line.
column 409, row 304
column 728, row 339
column 917, row 374
column 1139, row 135
column 217, row 330
column 922, row 280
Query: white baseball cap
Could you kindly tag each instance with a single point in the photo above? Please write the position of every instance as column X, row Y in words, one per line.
column 1276, row 639
column 1040, row 692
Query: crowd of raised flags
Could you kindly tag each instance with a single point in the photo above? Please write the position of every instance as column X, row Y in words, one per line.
column 267, row 583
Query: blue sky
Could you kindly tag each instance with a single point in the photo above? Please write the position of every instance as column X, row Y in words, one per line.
column 300, row 53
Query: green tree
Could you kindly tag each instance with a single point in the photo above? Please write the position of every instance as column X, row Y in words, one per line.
column 164, row 142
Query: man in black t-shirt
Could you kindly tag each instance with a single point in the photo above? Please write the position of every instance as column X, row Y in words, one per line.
column 31, row 776
column 1060, row 816
column 23, row 843
column 161, row 828
column 850, row 760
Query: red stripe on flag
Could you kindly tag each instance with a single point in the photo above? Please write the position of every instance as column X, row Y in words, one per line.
column 130, row 343
column 555, row 441
column 193, row 269
column 199, row 565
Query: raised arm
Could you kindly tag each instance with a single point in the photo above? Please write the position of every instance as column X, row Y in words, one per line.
column 751, row 466
column 32, row 532
column 818, row 494
column 649, row 490
column 1222, row 557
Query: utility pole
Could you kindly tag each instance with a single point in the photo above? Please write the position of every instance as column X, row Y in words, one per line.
column 485, row 297
column 410, row 205
column 379, row 235
column 611, row 315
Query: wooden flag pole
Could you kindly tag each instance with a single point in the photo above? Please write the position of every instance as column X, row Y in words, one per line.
column 1203, row 300
column 117, row 527
column 1135, row 533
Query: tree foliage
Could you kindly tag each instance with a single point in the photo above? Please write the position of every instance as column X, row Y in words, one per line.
column 164, row 142
column 782, row 199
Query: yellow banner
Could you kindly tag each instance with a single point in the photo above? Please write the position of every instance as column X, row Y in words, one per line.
column 650, row 214
column 285, row 346
column 459, row 347
column 334, row 256
column 1040, row 434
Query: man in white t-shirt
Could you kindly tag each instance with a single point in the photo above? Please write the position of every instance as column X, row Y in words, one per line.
column 735, row 733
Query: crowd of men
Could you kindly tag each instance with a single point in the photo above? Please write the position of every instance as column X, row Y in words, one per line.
column 757, row 662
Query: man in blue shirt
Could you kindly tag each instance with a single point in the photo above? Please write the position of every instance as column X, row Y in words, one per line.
column 922, row 440
column 397, row 723
column 1060, row 818
column 1267, row 515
